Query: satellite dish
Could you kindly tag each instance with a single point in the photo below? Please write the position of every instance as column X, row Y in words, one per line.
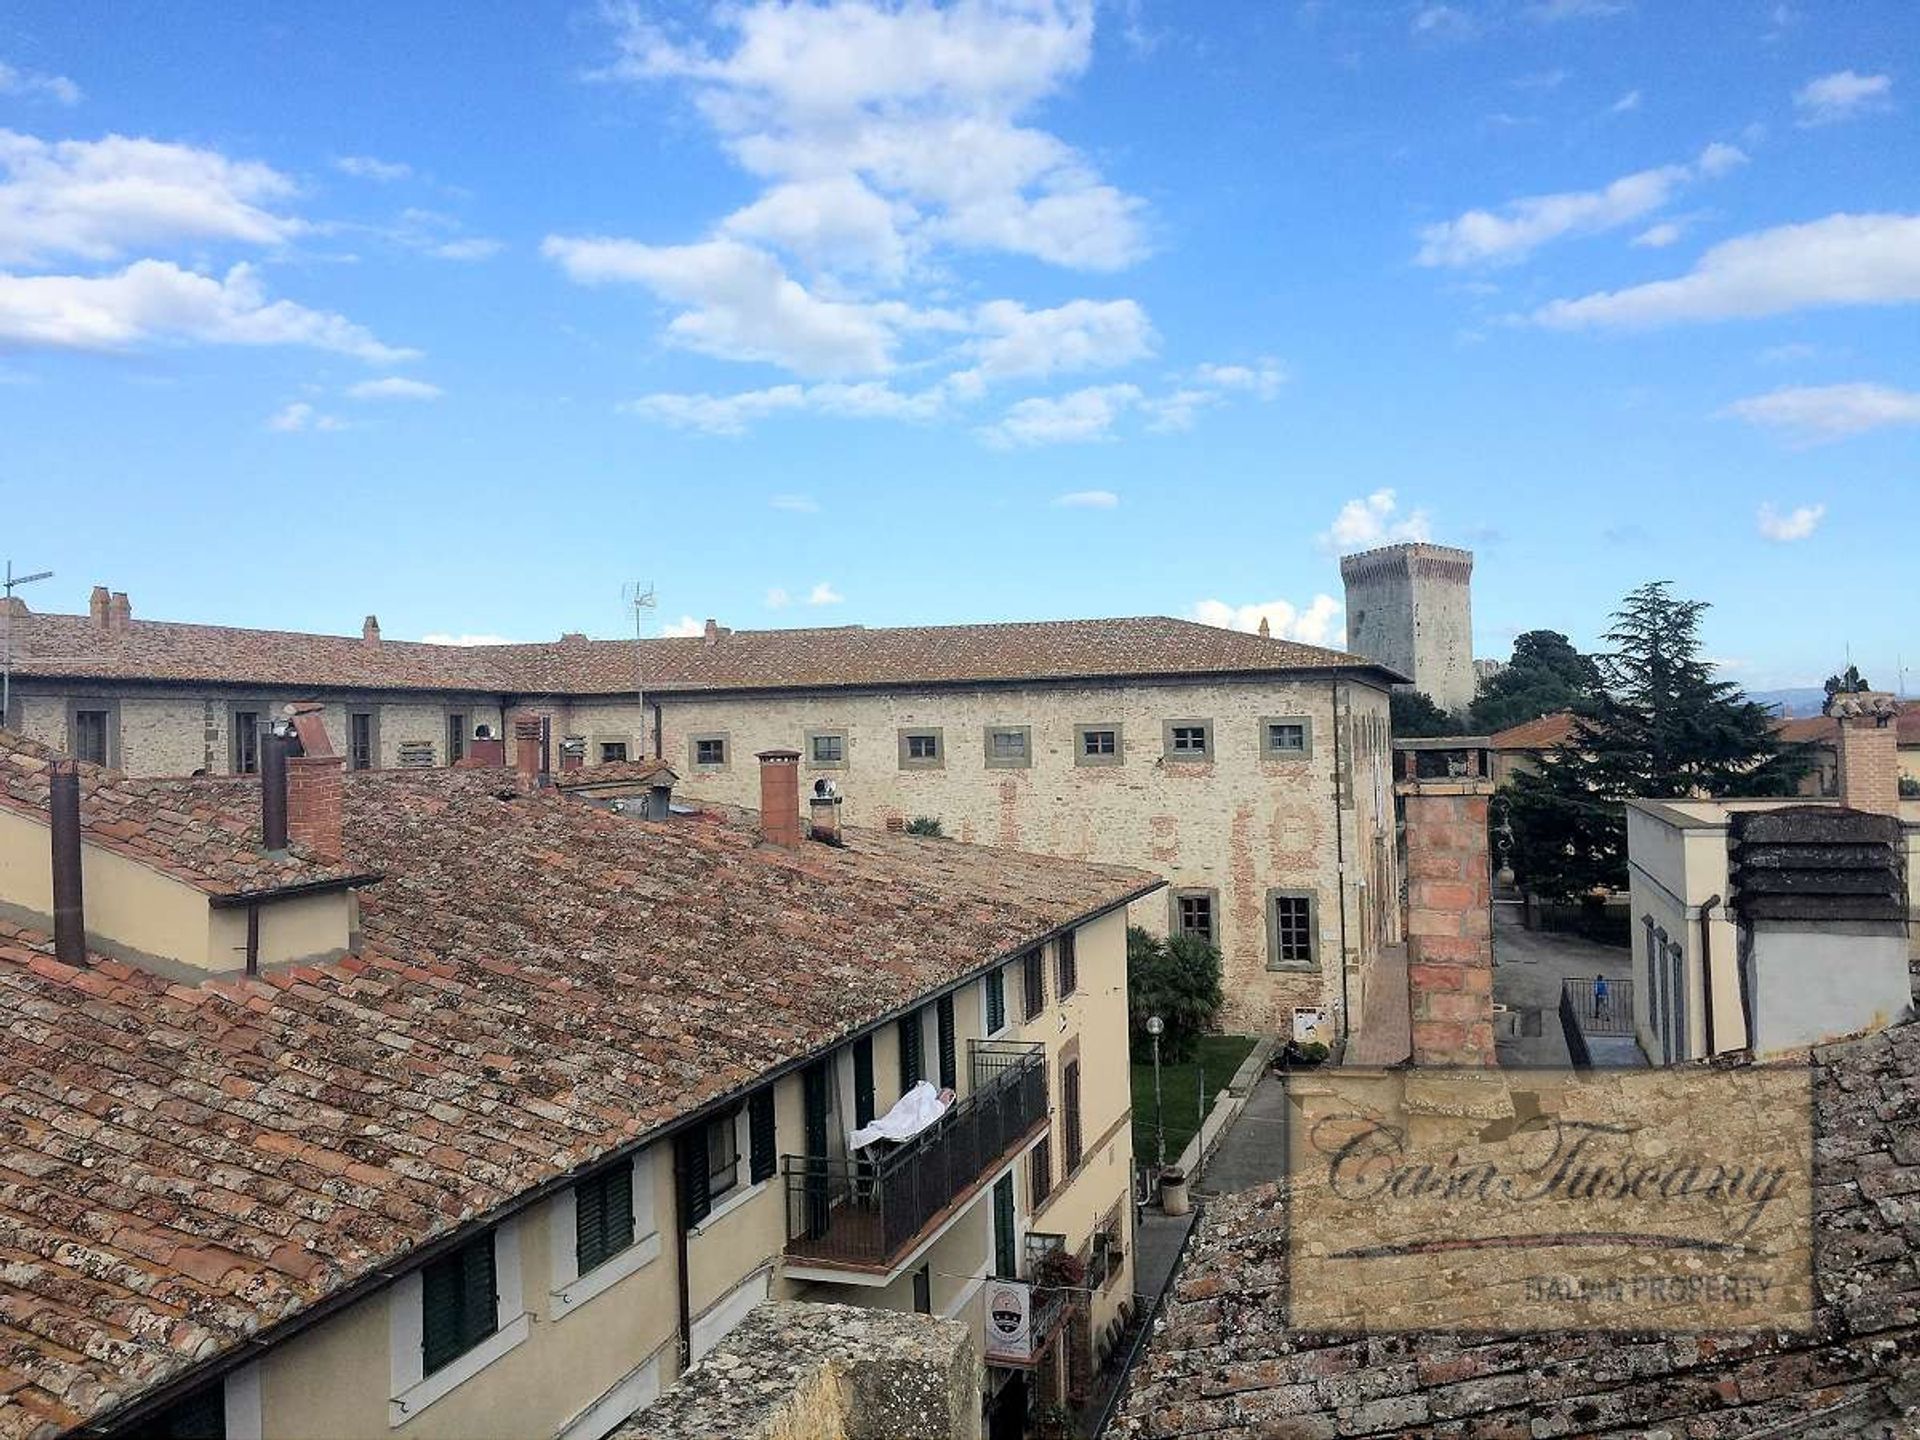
column 824, row 789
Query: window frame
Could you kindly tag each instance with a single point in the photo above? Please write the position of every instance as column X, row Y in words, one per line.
column 371, row 715
column 1203, row 756
column 1073, row 1151
column 707, row 737
column 413, row 1390
column 1066, row 965
column 937, row 761
column 571, row 1289
column 1311, row 965
column 729, row 1124
column 110, row 738
column 1033, row 984
column 813, row 738
column 457, row 726
column 993, row 993
column 1040, row 1185
column 1176, row 925
column 602, row 746
column 1269, row 751
column 261, row 708
column 606, row 1185
column 468, row 1338
column 1023, row 761
column 1096, row 727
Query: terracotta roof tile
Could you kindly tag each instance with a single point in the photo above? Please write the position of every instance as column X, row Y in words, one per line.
column 183, row 1166
column 205, row 832
column 1541, row 734
column 614, row 772
column 71, row 645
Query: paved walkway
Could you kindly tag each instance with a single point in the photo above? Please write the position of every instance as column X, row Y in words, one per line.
column 1253, row 1152
column 1385, row 1033
column 1528, row 966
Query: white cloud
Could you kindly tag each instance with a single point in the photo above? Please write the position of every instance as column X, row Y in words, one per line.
column 1445, row 21
column 474, row 247
column 30, row 85
column 1087, row 500
column 441, row 638
column 1842, row 96
column 1375, row 520
column 155, row 300
column 732, row 414
column 824, row 594
column 1483, row 237
column 1658, row 237
column 1830, row 412
column 798, row 504
column 1080, row 335
column 98, row 199
column 917, row 106
column 778, row 599
column 685, row 626
column 1796, row 524
column 1177, row 410
column 366, row 167
column 300, row 416
column 1551, row 10
column 1262, row 379
column 1841, row 260
column 1626, row 103
column 395, row 387
column 1318, row 624
column 741, row 305
column 1081, row 415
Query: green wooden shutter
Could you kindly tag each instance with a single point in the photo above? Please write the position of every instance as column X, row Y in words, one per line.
column 200, row 1416
column 690, row 1165
column 1070, row 1106
column 949, row 1060
column 863, row 1081
column 1006, row 1259
column 1069, row 965
column 813, row 1097
column 764, row 1138
column 603, row 1215
column 1034, row 973
column 913, row 1063
column 458, row 1305
column 996, row 1000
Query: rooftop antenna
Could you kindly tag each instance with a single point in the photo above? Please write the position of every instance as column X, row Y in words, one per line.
column 641, row 599
column 6, row 640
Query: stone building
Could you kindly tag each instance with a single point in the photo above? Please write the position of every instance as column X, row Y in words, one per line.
column 1251, row 773
column 507, row 1106
column 1410, row 607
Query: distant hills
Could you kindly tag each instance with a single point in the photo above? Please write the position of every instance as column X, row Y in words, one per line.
column 1806, row 700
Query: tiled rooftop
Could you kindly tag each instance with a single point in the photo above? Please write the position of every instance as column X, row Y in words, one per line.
column 1541, row 734
column 183, row 1166
column 204, row 832
column 73, row 645
column 1824, row 729
column 614, row 772
column 1555, row 729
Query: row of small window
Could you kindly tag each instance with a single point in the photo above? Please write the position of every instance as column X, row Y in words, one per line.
column 1010, row 747
column 1033, row 983
column 1040, row 1178
column 93, row 735
column 1291, row 927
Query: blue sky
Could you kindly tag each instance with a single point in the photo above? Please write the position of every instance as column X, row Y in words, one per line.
column 891, row 314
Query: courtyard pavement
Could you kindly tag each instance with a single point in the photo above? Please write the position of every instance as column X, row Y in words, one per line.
column 1528, row 966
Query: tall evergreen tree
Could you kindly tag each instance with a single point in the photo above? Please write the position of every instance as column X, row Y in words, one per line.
column 1661, row 727
column 1545, row 675
column 1413, row 715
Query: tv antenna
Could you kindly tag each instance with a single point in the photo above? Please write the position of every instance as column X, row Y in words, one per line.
column 642, row 599
column 6, row 639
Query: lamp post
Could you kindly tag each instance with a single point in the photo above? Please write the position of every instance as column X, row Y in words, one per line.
column 1154, row 1026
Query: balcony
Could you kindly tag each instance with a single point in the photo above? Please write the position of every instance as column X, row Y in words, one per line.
column 867, row 1216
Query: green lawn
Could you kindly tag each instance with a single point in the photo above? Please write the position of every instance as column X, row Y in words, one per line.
column 1180, row 1092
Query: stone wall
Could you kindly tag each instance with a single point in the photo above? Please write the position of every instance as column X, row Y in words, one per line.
column 1410, row 607
column 795, row 1370
column 1238, row 825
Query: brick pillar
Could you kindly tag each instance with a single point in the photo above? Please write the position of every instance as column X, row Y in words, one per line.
column 780, row 797
column 1449, row 923
column 1869, row 752
column 314, row 815
column 527, row 746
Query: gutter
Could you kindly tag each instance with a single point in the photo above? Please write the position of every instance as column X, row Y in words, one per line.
column 122, row 1418
column 234, row 899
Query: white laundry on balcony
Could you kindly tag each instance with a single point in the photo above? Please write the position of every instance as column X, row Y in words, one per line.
column 912, row 1113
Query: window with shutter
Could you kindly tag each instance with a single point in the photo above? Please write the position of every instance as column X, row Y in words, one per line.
column 1034, row 973
column 690, row 1164
column 763, row 1135
column 949, row 1058
column 863, row 1082
column 1070, row 1112
column 1006, row 1254
column 1040, row 1171
column 1069, row 965
column 913, row 1063
column 459, row 1306
column 200, row 1416
column 723, row 1154
column 996, row 1001
column 814, row 1100
column 603, row 1215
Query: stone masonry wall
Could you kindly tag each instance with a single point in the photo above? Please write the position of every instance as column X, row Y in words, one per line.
column 1238, row 825
column 1449, row 925
column 1410, row 607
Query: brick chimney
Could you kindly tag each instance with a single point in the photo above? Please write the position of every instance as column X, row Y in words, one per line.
column 530, row 736
column 315, row 819
column 1449, row 919
column 98, row 604
column 1869, row 751
column 119, row 611
column 780, row 797
column 714, row 631
column 370, row 630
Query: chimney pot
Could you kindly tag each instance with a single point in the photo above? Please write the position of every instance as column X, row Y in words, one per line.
column 780, row 797
column 69, row 908
column 714, row 632
column 659, row 802
column 273, row 789
column 99, row 605
column 1869, row 749
column 370, row 629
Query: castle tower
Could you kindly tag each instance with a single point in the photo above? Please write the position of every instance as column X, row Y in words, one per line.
column 1410, row 608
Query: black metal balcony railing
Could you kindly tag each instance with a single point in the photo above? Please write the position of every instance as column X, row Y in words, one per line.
column 1594, row 1008
column 866, row 1213
column 1051, row 1303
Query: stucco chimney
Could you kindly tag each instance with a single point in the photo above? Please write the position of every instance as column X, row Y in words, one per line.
column 119, row 611
column 780, row 797
column 370, row 629
column 99, row 603
column 314, row 804
column 1449, row 920
column 1869, row 751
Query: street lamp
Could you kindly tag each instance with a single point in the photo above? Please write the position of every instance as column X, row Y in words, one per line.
column 1154, row 1026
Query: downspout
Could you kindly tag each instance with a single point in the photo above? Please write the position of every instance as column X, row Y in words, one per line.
column 682, row 1284
column 657, row 754
column 253, row 939
column 1706, row 970
column 69, row 906
column 1340, row 859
